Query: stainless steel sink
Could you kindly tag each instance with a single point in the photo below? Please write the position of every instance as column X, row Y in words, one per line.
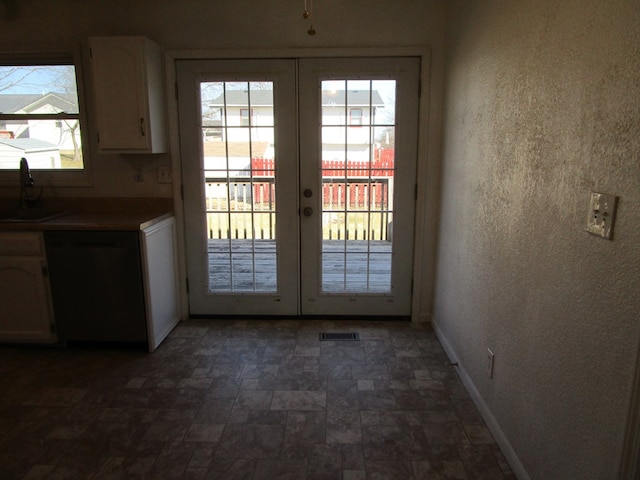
column 30, row 215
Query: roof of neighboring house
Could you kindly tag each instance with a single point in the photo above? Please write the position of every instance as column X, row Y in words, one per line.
column 28, row 144
column 261, row 98
column 354, row 97
column 27, row 103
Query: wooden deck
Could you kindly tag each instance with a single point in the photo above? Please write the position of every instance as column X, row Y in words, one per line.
column 356, row 266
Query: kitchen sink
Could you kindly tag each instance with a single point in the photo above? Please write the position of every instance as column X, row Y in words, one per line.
column 30, row 215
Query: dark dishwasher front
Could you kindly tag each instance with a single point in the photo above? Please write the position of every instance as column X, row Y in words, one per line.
column 96, row 285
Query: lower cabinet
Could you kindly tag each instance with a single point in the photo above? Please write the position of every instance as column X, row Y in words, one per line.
column 25, row 297
column 89, row 286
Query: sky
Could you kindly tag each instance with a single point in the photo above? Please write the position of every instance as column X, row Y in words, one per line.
column 39, row 79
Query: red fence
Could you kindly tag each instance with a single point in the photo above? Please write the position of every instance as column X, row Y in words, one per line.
column 382, row 165
column 356, row 194
column 352, row 184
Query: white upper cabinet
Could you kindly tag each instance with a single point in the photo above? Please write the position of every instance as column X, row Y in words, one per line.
column 129, row 96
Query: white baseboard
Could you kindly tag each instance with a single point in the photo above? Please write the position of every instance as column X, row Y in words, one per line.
column 493, row 425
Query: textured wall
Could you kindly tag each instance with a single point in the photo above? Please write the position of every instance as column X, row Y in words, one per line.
column 542, row 106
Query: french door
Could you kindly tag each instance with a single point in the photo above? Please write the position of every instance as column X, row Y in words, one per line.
column 299, row 184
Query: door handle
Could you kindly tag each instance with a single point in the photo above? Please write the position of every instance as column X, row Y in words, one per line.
column 307, row 211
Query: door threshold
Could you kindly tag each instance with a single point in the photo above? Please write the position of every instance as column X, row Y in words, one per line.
column 357, row 318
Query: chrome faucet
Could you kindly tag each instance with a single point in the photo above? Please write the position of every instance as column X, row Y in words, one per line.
column 26, row 182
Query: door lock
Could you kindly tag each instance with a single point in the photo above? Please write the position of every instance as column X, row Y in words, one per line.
column 307, row 212
column 307, row 193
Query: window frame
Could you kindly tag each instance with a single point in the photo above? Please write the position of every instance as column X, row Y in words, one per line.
column 356, row 120
column 249, row 119
column 54, row 177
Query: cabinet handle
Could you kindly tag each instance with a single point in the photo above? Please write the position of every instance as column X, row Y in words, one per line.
column 142, row 129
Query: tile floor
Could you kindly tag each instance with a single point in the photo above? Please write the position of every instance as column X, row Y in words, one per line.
column 245, row 400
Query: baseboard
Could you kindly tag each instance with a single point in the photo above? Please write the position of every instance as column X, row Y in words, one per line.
column 493, row 425
column 630, row 464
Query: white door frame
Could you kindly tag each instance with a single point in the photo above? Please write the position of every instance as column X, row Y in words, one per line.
column 423, row 239
column 405, row 73
column 282, row 73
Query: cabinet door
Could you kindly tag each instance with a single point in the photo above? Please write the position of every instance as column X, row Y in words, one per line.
column 127, row 82
column 25, row 306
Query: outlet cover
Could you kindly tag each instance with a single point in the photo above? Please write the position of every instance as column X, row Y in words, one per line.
column 164, row 174
column 602, row 214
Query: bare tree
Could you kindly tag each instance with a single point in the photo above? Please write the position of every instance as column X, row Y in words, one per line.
column 14, row 76
column 65, row 83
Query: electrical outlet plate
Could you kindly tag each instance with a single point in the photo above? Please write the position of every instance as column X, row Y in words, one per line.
column 602, row 214
column 164, row 174
column 490, row 361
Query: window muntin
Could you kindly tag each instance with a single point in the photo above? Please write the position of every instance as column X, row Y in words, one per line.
column 40, row 117
column 239, row 169
column 358, row 171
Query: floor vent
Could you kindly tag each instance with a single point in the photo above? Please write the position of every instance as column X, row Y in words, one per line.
column 350, row 337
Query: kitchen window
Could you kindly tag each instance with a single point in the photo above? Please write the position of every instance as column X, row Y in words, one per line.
column 40, row 120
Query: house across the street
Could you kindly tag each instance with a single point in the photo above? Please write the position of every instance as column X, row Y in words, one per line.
column 40, row 140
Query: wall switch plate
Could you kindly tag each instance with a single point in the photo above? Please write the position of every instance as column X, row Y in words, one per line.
column 490, row 362
column 602, row 214
column 164, row 174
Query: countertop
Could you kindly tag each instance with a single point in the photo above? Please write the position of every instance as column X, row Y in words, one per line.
column 132, row 214
column 133, row 221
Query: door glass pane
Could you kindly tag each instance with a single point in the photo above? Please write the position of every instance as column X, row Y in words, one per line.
column 237, row 122
column 357, row 170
